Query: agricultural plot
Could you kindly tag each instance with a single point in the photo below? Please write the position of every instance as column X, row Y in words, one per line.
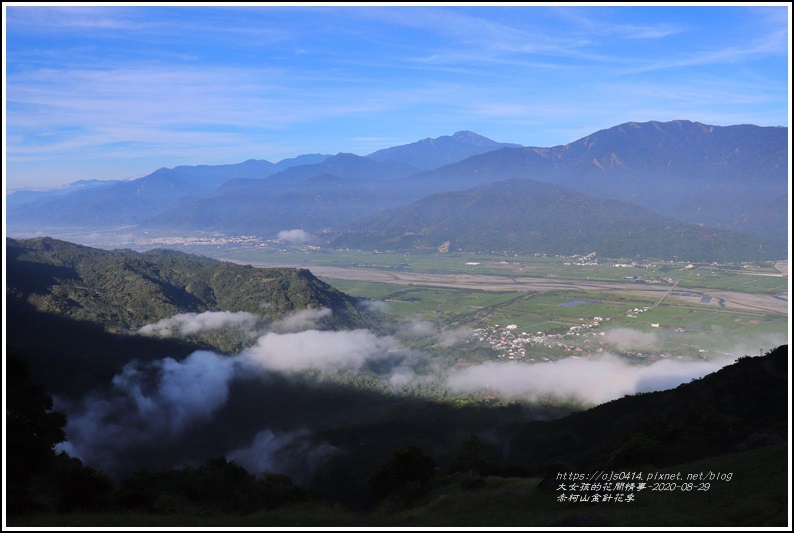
column 714, row 309
column 735, row 277
column 562, row 321
column 736, row 282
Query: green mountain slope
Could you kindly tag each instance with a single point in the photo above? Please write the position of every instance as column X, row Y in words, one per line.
column 124, row 290
column 73, row 312
column 528, row 217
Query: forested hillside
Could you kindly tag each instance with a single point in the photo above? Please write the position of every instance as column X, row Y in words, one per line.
column 92, row 303
column 124, row 290
column 529, row 217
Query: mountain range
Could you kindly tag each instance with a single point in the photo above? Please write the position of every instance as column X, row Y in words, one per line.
column 527, row 217
column 728, row 178
column 731, row 177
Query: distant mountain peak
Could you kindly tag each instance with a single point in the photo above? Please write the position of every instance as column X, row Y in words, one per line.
column 346, row 155
column 466, row 134
column 432, row 153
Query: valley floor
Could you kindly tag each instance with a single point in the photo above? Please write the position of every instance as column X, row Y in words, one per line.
column 731, row 299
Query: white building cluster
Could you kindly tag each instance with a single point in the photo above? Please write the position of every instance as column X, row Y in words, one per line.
column 509, row 343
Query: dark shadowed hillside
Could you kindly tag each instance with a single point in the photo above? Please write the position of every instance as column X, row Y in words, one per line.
column 739, row 407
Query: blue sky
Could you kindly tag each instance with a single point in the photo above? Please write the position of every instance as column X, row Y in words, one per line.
column 116, row 92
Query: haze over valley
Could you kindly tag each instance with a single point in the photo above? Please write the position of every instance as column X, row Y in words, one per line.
column 707, row 193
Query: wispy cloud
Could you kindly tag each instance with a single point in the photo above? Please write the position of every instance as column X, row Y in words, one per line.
column 730, row 55
column 476, row 37
column 772, row 44
column 234, row 26
column 588, row 20
column 75, row 18
column 143, row 87
column 186, row 324
column 50, row 111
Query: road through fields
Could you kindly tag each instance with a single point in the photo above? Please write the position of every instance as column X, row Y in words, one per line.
column 719, row 298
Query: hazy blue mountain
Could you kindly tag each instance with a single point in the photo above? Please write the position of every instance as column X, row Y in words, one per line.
column 730, row 177
column 311, row 197
column 424, row 154
column 433, row 153
column 25, row 196
column 527, row 217
column 265, row 208
column 331, row 193
column 343, row 165
column 130, row 202
column 125, row 203
column 301, row 160
column 391, row 163
column 209, row 177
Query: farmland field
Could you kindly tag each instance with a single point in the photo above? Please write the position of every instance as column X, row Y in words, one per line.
column 569, row 304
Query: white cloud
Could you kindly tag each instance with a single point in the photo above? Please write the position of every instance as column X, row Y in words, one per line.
column 296, row 236
column 321, row 350
column 451, row 337
column 147, row 403
column 420, row 328
column 594, row 380
column 374, row 306
column 301, row 320
column 186, row 324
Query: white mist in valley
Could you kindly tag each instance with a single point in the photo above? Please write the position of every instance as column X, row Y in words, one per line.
column 186, row 324
column 145, row 404
column 153, row 411
column 320, row 350
column 625, row 338
column 301, row 320
column 295, row 236
column 594, row 380
column 157, row 402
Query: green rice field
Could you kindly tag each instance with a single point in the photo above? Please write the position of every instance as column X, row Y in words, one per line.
column 681, row 326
